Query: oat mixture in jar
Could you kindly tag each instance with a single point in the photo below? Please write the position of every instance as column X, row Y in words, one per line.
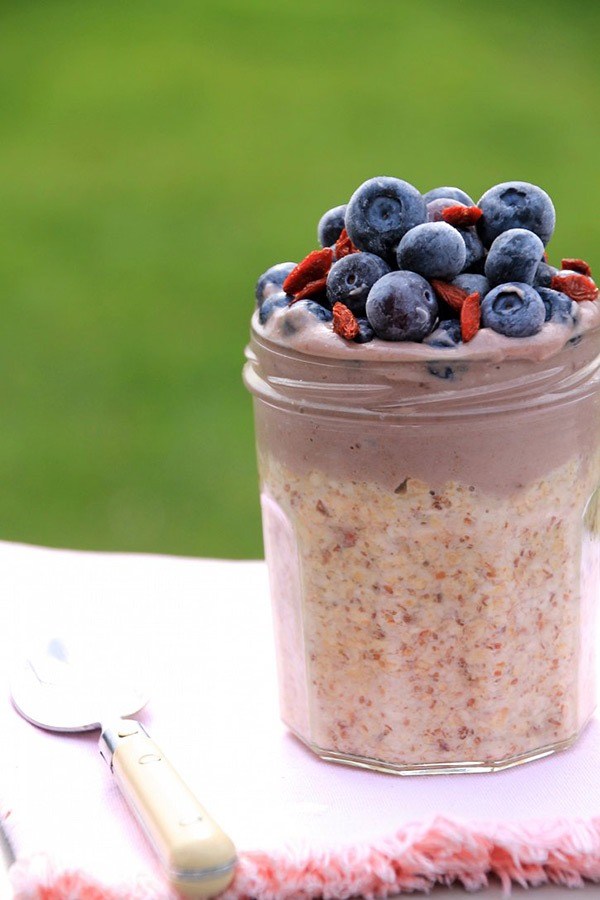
column 430, row 509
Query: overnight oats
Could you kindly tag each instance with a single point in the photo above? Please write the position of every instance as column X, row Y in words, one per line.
column 428, row 430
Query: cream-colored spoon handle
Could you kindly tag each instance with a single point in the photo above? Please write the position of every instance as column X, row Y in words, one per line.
column 198, row 857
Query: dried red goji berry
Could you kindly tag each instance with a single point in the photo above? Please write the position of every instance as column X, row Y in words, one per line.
column 577, row 265
column 577, row 287
column 461, row 216
column 344, row 322
column 310, row 289
column 449, row 293
column 344, row 246
column 313, row 267
column 470, row 317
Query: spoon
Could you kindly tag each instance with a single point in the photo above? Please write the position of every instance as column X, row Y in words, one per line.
column 53, row 692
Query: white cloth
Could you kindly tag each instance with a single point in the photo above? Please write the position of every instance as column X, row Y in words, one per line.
column 199, row 634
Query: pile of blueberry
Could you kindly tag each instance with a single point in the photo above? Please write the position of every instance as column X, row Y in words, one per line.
column 403, row 266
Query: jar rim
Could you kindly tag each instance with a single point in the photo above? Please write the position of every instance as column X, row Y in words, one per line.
column 432, row 386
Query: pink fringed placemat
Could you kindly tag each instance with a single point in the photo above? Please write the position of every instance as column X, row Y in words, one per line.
column 199, row 631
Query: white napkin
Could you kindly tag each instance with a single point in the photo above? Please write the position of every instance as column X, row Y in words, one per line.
column 199, row 633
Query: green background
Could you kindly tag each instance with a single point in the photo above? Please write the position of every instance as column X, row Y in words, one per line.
column 156, row 157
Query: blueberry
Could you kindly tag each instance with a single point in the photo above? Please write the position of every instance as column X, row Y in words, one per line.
column 514, row 256
column 447, row 334
column 513, row 309
column 380, row 212
column 401, row 306
column 445, row 371
column 322, row 313
column 472, row 283
column 270, row 281
column 351, row 278
column 515, row 204
column 273, row 302
column 436, row 207
column 559, row 307
column 331, row 225
column 300, row 313
column 452, row 193
column 366, row 333
column 544, row 274
column 441, row 370
column 434, row 250
column 473, row 245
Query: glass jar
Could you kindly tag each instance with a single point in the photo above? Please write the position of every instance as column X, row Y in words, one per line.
column 432, row 537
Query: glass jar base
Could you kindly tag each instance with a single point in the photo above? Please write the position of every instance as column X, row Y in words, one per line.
column 441, row 768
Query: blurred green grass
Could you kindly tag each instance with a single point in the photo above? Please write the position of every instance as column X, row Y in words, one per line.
column 156, row 157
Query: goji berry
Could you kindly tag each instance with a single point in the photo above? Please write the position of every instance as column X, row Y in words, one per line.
column 310, row 289
column 470, row 317
column 449, row 293
column 461, row 216
column 344, row 322
column 577, row 265
column 312, row 268
column 577, row 287
column 344, row 246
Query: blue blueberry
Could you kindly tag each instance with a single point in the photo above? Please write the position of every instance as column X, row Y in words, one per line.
column 544, row 274
column 513, row 309
column 320, row 312
column 401, row 306
column 380, row 212
column 331, row 225
column 272, row 302
column 366, row 333
column 473, row 244
column 559, row 307
column 299, row 314
column 514, row 256
column 434, row 250
column 474, row 247
column 451, row 193
column 515, row 204
column 270, row 281
column 436, row 207
column 441, row 370
column 472, row 283
column 351, row 278
column 447, row 334
column 445, row 371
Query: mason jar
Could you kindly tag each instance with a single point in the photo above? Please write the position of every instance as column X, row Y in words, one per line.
column 432, row 534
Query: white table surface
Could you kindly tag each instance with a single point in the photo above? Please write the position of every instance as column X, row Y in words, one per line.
column 25, row 560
